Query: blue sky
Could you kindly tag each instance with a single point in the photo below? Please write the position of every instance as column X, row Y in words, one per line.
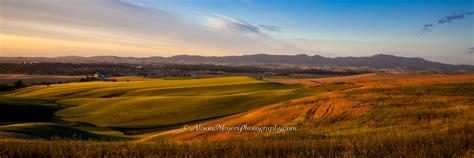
column 314, row 27
column 333, row 19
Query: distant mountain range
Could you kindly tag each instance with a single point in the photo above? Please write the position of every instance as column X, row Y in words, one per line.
column 380, row 61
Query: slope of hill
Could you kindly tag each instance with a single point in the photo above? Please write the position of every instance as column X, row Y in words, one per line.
column 371, row 115
column 370, row 105
column 160, row 103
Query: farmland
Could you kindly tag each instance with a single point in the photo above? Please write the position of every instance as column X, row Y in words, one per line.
column 150, row 104
column 364, row 115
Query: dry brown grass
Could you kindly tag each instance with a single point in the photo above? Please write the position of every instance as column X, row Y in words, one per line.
column 384, row 79
column 280, row 145
column 400, row 111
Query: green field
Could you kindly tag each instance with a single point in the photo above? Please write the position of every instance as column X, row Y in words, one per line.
column 138, row 107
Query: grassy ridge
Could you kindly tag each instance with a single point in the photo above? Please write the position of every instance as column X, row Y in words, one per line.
column 401, row 120
column 97, row 89
column 165, row 111
column 160, row 103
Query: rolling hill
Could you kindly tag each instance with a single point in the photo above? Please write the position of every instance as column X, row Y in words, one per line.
column 369, row 105
column 157, row 103
column 379, row 61
column 368, row 115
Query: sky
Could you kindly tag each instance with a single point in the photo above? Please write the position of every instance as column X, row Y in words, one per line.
column 437, row 30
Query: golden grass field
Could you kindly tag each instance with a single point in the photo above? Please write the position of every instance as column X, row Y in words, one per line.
column 149, row 105
column 368, row 115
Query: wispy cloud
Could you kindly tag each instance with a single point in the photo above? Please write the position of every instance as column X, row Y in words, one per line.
column 271, row 28
column 450, row 18
column 445, row 20
column 427, row 27
column 127, row 30
column 230, row 23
